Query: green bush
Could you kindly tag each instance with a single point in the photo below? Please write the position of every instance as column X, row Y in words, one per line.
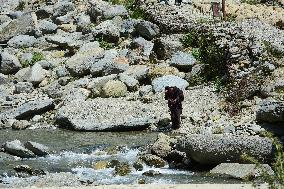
column 208, row 52
column 104, row 44
column 36, row 58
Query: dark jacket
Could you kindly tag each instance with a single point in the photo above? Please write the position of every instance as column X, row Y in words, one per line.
column 174, row 97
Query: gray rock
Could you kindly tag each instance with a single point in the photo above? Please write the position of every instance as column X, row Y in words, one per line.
column 153, row 160
column 15, row 14
column 45, row 64
column 21, row 74
column 166, row 46
column 47, row 27
column 76, row 94
column 182, row 60
column 128, row 27
column 107, row 31
column 96, row 84
column 36, row 74
column 9, row 64
column 23, row 87
column 44, row 12
column 270, row 111
column 138, row 72
column 82, row 21
column 37, row 149
column 3, row 79
column 81, row 63
column 104, row 114
column 21, row 124
column 31, row 108
column 62, row 71
column 143, row 45
column 147, row 30
column 162, row 146
column 66, row 42
column 107, row 66
column 215, row 149
column 62, row 8
column 151, row 173
column 22, row 41
column 104, row 10
column 53, row 90
column 160, row 83
column 131, row 83
column 21, row 26
column 66, row 19
column 241, row 171
column 16, row 148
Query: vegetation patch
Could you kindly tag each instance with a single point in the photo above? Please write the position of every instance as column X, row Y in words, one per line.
column 104, row 44
column 134, row 11
column 37, row 56
column 275, row 181
column 273, row 51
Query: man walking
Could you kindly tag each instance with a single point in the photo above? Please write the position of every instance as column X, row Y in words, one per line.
column 174, row 96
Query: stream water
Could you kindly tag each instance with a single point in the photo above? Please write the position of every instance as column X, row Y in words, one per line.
column 77, row 152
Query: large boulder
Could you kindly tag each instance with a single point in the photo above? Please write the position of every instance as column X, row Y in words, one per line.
column 9, row 64
column 218, row 148
column 147, row 30
column 160, row 83
column 25, row 24
column 105, row 10
column 182, row 60
column 36, row 74
column 47, row 27
column 31, row 108
column 142, row 45
column 114, row 88
column 104, row 114
column 81, row 63
column 270, row 111
column 110, row 64
column 22, row 41
column 16, row 148
column 165, row 46
column 37, row 149
column 241, row 171
column 107, row 31
column 62, row 8
column 162, row 146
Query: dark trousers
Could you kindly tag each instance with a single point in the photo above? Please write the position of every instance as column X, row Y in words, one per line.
column 175, row 117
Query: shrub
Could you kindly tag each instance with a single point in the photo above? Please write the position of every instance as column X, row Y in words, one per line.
column 37, row 56
column 208, row 52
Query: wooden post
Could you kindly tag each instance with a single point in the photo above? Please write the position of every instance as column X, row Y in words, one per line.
column 224, row 9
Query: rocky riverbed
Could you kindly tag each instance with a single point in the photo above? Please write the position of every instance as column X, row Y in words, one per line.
column 81, row 92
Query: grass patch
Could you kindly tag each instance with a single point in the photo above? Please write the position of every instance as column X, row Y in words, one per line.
column 104, row 44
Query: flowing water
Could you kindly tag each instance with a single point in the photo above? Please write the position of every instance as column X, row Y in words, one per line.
column 77, row 153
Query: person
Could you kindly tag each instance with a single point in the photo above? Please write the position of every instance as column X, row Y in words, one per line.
column 174, row 96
